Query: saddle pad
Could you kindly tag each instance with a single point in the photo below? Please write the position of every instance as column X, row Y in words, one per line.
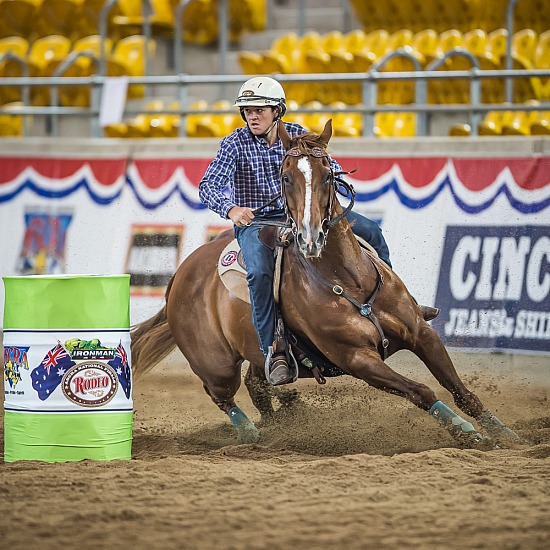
column 232, row 273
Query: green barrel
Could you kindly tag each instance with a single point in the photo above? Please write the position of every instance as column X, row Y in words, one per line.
column 67, row 368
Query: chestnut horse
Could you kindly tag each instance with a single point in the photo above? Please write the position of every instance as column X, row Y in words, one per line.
column 335, row 297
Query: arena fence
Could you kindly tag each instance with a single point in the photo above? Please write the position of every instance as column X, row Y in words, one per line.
column 369, row 82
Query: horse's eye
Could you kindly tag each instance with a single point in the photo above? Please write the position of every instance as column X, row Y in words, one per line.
column 286, row 179
column 327, row 179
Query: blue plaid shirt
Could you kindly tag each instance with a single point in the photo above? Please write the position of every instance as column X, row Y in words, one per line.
column 249, row 169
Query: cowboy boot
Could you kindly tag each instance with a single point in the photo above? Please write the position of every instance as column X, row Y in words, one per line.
column 277, row 370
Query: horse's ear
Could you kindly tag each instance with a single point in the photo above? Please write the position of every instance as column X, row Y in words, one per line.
column 283, row 135
column 327, row 132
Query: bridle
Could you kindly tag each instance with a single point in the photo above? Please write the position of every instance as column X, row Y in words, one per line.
column 336, row 182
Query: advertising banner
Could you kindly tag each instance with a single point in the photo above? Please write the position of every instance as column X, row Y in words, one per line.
column 496, row 291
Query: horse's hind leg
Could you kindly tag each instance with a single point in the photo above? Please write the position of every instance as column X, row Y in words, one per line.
column 222, row 388
column 430, row 349
column 376, row 373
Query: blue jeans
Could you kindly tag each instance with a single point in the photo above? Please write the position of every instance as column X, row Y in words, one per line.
column 260, row 266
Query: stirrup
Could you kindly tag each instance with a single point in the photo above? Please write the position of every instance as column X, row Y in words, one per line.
column 278, row 361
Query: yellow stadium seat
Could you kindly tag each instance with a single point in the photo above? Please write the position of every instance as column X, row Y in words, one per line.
column 347, row 91
column 119, row 130
column 57, row 17
column 493, row 122
column 397, row 91
column 274, row 62
column 383, row 124
column 166, row 124
column 355, row 41
column 18, row 17
column 476, row 42
column 315, row 120
column 460, row 130
column 399, row 39
column 127, row 58
column 251, row 63
column 404, row 125
column 140, row 125
column 130, row 21
column 44, row 55
column 523, row 89
column 218, row 125
column 333, row 42
column 377, row 42
column 524, row 43
column 87, row 18
column 291, row 115
column 345, row 124
column 310, row 41
column 449, row 40
column 18, row 46
column 46, row 49
column 79, row 96
column 520, row 124
column 91, row 44
column 497, row 43
column 193, row 119
column 542, row 61
column 288, row 45
column 392, row 125
column 14, row 44
column 541, row 127
column 362, row 61
column 11, row 125
column 200, row 23
column 317, row 61
column 425, row 43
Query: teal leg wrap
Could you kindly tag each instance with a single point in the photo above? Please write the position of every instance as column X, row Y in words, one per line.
column 452, row 421
column 246, row 431
column 462, row 430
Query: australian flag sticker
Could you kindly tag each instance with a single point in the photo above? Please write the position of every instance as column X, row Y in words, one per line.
column 48, row 375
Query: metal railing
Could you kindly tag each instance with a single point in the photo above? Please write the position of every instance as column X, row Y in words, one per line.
column 369, row 91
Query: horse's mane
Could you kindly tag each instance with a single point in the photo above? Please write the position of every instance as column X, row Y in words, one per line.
column 308, row 141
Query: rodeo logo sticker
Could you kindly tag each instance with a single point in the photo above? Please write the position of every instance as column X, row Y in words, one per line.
column 63, row 363
column 90, row 384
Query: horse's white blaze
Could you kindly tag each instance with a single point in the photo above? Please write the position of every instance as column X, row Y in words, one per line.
column 305, row 167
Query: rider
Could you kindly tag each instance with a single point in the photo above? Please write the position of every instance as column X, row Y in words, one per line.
column 248, row 163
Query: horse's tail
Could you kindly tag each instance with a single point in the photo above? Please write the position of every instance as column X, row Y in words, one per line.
column 151, row 342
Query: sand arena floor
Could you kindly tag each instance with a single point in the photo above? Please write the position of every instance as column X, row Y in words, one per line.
column 347, row 468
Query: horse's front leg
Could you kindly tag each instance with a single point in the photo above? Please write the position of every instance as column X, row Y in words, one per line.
column 368, row 366
column 430, row 349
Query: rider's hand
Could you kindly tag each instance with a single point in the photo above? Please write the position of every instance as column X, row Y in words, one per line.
column 240, row 215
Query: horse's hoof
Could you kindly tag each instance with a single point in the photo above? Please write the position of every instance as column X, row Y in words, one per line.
column 475, row 440
column 246, row 431
column 499, row 431
column 248, row 435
